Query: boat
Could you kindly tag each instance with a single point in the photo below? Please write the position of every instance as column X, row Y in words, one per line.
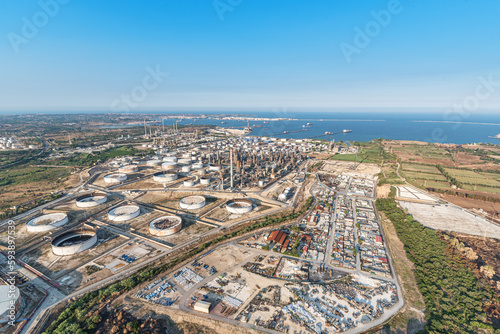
column 266, row 122
column 223, row 123
column 346, row 131
column 310, row 124
column 328, row 133
column 285, row 132
column 257, row 126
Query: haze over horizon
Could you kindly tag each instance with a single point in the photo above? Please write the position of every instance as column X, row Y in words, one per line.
column 249, row 55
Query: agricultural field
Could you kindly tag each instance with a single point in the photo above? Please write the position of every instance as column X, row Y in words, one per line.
column 424, row 176
column 472, row 178
column 420, row 168
column 433, row 184
column 416, row 152
column 494, row 190
column 495, row 176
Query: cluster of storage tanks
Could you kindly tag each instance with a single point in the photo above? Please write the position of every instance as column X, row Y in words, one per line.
column 74, row 240
column 173, row 166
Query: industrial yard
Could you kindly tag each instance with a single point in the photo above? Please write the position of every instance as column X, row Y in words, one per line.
column 327, row 271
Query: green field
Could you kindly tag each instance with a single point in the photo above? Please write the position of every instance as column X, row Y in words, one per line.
column 494, row 190
column 472, row 178
column 494, row 176
column 424, row 176
column 425, row 151
column 24, row 174
column 420, row 168
column 85, row 159
column 433, row 184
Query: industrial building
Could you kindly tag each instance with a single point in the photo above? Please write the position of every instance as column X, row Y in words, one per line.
column 202, row 306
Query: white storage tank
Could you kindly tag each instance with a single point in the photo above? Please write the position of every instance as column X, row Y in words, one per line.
column 154, row 163
column 74, row 241
column 170, row 158
column 215, row 167
column 47, row 222
column 188, row 183
column 115, row 178
column 166, row 225
column 124, row 213
column 128, row 169
column 239, row 206
column 169, row 165
column 91, row 200
column 165, row 177
column 192, row 202
column 198, row 165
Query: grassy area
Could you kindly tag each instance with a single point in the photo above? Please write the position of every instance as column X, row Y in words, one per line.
column 24, row 183
column 84, row 159
column 494, row 176
column 424, row 151
column 455, row 298
column 472, row 178
column 493, row 190
column 26, row 174
column 424, row 176
column 433, row 184
column 420, row 168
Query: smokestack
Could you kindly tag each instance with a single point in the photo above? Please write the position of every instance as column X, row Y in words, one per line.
column 231, row 162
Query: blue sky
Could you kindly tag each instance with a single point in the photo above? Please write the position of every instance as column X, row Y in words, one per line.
column 246, row 55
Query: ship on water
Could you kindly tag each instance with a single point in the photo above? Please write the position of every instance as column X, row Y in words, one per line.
column 495, row 137
column 346, row 131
